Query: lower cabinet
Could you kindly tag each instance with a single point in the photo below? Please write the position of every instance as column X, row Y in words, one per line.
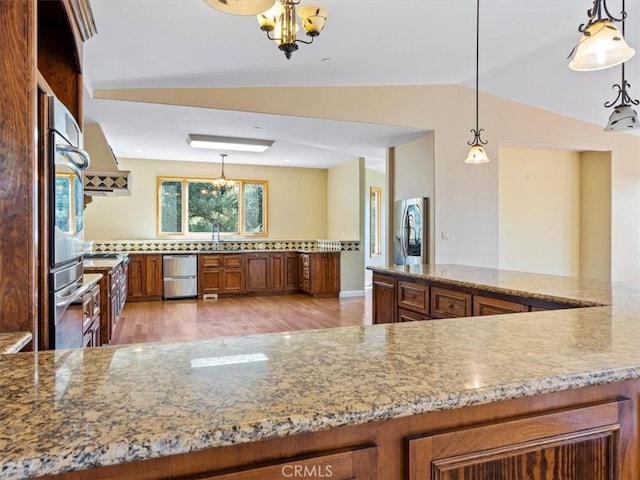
column 221, row 273
column 145, row 277
column 320, row 273
column 397, row 298
column 356, row 464
column 271, row 272
column 91, row 317
column 587, row 443
column 384, row 299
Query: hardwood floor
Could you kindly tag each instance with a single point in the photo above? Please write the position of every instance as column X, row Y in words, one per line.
column 177, row 320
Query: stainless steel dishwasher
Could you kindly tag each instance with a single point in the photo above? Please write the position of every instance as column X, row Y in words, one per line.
column 180, row 273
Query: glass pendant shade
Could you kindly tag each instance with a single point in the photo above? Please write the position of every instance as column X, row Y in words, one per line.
column 476, row 155
column 313, row 19
column 602, row 46
column 623, row 118
column 270, row 18
column 241, row 7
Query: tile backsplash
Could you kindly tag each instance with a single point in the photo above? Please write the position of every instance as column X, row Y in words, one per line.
column 235, row 245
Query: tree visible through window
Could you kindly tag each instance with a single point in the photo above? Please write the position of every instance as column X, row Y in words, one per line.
column 191, row 207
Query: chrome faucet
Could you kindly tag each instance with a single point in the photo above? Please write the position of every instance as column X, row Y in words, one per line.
column 215, row 228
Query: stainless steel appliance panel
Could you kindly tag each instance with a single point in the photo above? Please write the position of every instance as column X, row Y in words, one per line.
column 180, row 287
column 411, row 231
column 180, row 275
column 179, row 265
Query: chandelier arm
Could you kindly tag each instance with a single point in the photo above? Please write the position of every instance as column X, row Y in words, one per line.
column 618, row 97
column 303, row 41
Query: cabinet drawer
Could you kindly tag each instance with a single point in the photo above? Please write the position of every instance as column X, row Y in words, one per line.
column 305, row 260
column 493, row 306
column 449, row 303
column 305, row 273
column 355, row 464
column 232, row 261
column 410, row 316
column 413, row 296
column 210, row 261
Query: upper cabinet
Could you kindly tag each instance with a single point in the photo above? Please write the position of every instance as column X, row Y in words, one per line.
column 62, row 26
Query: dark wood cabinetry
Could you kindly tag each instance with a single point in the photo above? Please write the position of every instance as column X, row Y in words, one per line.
column 291, row 272
column 145, row 277
column 353, row 464
column 32, row 61
column 91, row 317
column 399, row 298
column 587, row 443
column 113, row 295
column 271, row 272
column 384, row 299
column 221, row 273
column 320, row 273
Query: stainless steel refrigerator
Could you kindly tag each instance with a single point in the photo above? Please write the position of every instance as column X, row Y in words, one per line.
column 411, row 231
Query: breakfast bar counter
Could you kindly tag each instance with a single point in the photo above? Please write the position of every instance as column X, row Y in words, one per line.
column 214, row 408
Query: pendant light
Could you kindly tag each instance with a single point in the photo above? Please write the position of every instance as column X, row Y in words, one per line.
column 602, row 45
column 623, row 117
column 476, row 152
column 241, row 7
column 222, row 184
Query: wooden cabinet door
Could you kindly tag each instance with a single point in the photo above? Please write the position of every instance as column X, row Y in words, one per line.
column 153, row 275
column 276, row 273
column 413, row 296
column 136, row 288
column 291, row 281
column 257, row 272
column 357, row 464
column 233, row 273
column 588, row 443
column 384, row 299
column 410, row 316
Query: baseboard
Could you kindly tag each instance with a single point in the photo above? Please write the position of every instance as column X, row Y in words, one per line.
column 352, row 293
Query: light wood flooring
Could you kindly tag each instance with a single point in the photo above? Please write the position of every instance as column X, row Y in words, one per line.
column 177, row 320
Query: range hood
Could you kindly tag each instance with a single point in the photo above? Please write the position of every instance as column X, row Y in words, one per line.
column 103, row 177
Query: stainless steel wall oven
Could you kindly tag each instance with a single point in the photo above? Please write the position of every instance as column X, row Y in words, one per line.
column 66, row 224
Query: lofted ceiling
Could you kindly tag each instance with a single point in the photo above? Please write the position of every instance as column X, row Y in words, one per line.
column 185, row 43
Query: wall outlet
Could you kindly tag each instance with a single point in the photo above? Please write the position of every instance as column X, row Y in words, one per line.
column 444, row 235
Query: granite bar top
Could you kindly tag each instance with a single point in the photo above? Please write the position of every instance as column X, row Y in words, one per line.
column 73, row 409
column 552, row 288
column 14, row 342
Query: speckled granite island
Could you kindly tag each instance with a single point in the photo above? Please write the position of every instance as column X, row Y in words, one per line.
column 469, row 398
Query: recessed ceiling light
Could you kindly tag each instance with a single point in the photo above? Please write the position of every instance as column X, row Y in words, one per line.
column 228, row 143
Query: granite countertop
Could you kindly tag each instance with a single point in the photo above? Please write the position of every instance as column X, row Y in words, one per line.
column 14, row 342
column 236, row 250
column 101, row 264
column 108, row 405
column 91, row 278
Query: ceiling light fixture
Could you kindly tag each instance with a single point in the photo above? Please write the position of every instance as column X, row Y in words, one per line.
column 476, row 152
column 228, row 143
column 602, row 45
column 279, row 22
column 222, row 184
column 241, row 7
column 623, row 117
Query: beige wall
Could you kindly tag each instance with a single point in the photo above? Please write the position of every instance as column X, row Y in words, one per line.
column 539, row 210
column 414, row 176
column 343, row 201
column 466, row 195
column 595, row 215
column 345, row 220
column 297, row 200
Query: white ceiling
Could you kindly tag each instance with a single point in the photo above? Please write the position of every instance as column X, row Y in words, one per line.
column 185, row 43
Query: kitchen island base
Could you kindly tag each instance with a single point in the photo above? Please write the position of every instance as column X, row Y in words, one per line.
column 583, row 434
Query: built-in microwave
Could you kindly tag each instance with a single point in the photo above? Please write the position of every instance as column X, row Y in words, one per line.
column 67, row 195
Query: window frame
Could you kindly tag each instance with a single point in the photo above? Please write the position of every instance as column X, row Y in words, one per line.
column 185, row 234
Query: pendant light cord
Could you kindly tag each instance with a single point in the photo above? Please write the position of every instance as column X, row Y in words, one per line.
column 478, row 59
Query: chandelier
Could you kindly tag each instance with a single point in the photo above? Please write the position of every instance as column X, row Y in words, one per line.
column 623, row 117
column 222, row 184
column 602, row 45
column 279, row 22
column 476, row 152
